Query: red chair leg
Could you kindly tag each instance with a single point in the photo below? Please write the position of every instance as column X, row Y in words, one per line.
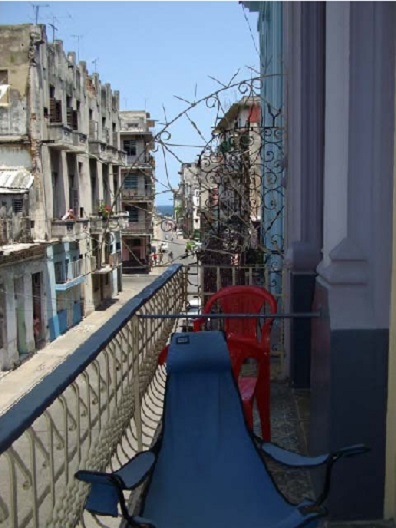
column 248, row 411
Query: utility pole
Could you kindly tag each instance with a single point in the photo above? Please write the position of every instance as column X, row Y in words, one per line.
column 78, row 38
column 36, row 8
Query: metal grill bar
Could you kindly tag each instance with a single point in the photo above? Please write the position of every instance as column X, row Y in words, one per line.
column 299, row 315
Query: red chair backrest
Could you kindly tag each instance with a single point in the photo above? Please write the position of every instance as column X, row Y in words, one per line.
column 243, row 300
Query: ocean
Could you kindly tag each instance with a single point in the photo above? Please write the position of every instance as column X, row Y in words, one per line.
column 164, row 210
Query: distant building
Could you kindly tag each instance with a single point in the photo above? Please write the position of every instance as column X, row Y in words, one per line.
column 138, row 189
column 190, row 202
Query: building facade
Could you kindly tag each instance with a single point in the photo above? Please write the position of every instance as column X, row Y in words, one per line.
column 338, row 68
column 137, row 189
column 59, row 128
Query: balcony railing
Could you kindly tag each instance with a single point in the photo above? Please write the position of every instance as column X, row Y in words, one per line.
column 69, row 229
column 90, row 412
column 15, row 230
column 62, row 136
column 100, row 224
column 137, row 194
column 72, row 271
column 138, row 228
column 80, row 142
column 146, row 159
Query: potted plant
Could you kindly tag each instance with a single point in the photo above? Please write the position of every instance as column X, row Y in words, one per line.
column 105, row 211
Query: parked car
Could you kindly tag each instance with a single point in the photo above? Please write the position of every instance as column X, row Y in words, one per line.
column 164, row 247
column 179, row 233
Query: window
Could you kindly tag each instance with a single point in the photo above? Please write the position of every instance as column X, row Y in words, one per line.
column 3, row 76
column 17, row 205
column 133, row 125
column 90, row 114
column 130, row 147
column 131, row 181
column 133, row 214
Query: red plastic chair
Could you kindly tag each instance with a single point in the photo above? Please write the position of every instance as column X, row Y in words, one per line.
column 247, row 338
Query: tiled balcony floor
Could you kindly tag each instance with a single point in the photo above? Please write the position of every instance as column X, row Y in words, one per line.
column 289, row 422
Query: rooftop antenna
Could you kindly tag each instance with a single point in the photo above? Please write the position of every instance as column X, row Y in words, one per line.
column 36, row 8
column 78, row 38
column 54, row 28
column 94, row 62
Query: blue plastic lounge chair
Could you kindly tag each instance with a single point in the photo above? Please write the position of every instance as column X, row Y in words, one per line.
column 206, row 470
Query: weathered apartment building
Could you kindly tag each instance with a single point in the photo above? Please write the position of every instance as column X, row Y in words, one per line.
column 189, row 192
column 240, row 169
column 60, row 191
column 222, row 191
column 138, row 186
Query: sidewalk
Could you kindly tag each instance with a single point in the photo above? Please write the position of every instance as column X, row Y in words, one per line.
column 16, row 383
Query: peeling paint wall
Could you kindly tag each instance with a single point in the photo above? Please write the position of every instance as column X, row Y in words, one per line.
column 15, row 45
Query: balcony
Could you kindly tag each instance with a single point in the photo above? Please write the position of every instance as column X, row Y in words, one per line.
column 70, row 275
column 116, row 221
column 80, row 142
column 66, row 230
column 138, row 228
column 78, row 413
column 98, row 149
column 99, row 407
column 143, row 160
column 62, row 136
column 137, row 195
column 16, row 229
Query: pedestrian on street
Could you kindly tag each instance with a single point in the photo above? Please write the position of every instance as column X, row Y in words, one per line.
column 170, row 256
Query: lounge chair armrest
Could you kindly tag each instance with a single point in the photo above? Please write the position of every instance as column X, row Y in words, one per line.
column 289, row 458
column 106, row 488
column 133, row 472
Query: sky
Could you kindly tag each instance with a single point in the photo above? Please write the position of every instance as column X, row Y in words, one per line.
column 153, row 51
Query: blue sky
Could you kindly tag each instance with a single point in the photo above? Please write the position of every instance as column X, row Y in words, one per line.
column 152, row 51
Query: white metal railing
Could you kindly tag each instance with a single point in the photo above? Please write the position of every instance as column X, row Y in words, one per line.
column 94, row 411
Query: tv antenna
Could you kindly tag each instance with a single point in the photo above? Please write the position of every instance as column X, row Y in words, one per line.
column 78, row 38
column 36, row 8
column 54, row 28
column 94, row 62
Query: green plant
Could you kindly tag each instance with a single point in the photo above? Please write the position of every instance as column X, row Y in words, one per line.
column 105, row 210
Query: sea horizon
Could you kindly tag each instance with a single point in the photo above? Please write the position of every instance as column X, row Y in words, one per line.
column 165, row 210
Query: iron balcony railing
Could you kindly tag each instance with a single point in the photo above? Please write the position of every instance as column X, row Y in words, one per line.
column 95, row 410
